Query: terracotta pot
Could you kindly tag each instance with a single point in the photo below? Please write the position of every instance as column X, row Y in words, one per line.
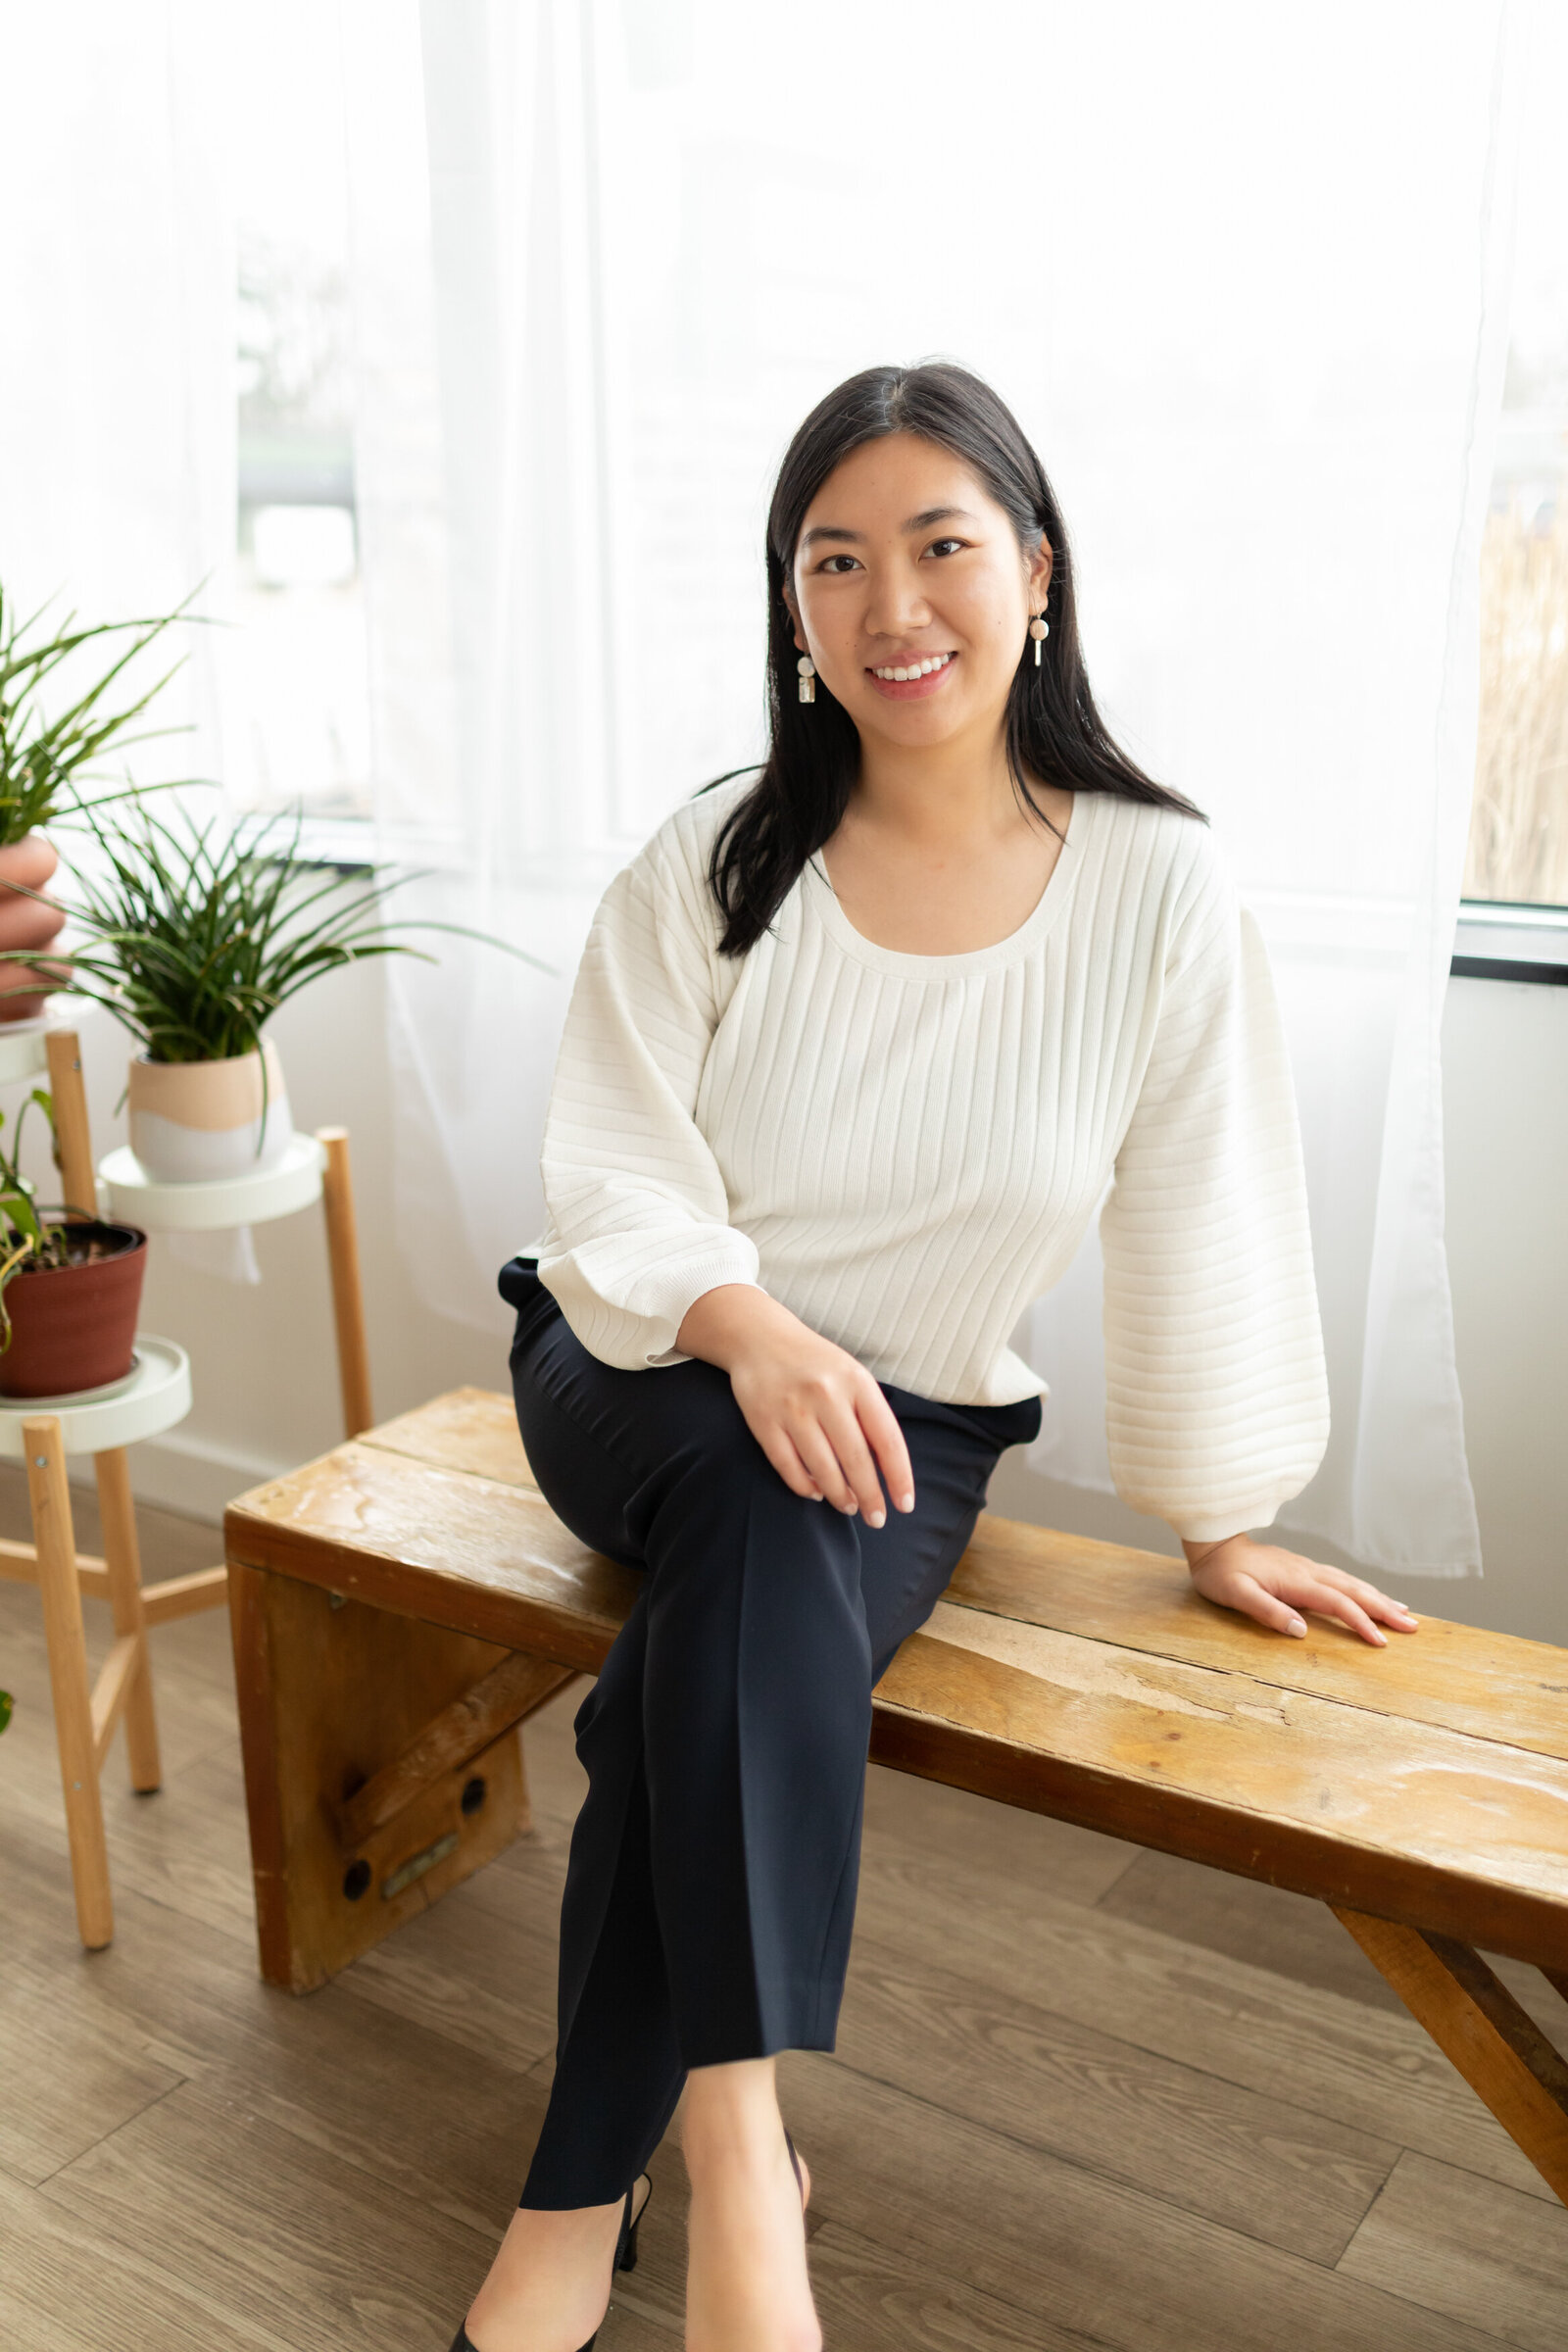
column 23, row 923
column 74, row 1327
column 193, row 1122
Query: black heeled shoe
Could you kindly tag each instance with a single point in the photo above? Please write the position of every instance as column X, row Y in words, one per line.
column 625, row 2259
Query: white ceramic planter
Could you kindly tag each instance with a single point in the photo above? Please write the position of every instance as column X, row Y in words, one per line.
column 193, row 1122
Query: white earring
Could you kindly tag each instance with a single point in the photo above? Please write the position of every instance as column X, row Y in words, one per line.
column 1038, row 630
column 807, row 668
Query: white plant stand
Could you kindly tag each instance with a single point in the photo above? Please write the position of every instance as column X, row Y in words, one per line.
column 41, row 1431
column 313, row 1167
column 156, row 1395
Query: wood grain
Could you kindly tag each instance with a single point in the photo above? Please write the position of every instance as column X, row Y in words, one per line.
column 1242, row 2158
column 1291, row 2043
column 368, row 2142
column 328, row 1697
column 1484, row 2257
column 1354, row 1803
column 1097, row 2256
column 1457, row 1677
column 473, row 1430
column 1499, row 2050
column 500, row 1700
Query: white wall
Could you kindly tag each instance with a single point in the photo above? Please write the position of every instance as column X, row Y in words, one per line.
column 266, row 1371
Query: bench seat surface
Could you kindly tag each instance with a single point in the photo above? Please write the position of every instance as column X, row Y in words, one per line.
column 1427, row 1782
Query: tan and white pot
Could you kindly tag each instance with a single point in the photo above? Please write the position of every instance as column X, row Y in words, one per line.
column 193, row 1122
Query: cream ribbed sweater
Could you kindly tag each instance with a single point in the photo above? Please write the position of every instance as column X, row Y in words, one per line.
column 907, row 1149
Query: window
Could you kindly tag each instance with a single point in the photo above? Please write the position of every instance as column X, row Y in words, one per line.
column 296, row 697
column 1518, row 850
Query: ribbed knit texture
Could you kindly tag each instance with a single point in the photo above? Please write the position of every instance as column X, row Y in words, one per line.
column 907, row 1149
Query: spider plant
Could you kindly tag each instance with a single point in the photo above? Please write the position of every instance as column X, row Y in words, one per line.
column 44, row 761
column 195, row 933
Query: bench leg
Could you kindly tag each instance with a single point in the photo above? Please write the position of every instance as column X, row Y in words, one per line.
column 331, row 1693
column 1476, row 2022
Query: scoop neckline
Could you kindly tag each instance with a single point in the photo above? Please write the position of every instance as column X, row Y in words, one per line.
column 1044, row 913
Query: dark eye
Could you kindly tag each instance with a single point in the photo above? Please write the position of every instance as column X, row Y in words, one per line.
column 832, row 562
column 943, row 547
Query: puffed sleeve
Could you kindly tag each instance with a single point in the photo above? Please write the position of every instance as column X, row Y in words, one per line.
column 1217, row 1405
column 638, row 1219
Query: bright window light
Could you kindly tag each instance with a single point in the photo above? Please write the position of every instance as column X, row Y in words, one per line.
column 297, row 547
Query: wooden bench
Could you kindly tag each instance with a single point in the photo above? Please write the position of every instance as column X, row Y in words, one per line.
column 401, row 1605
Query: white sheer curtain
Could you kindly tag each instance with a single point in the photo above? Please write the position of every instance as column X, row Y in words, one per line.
column 1242, row 272
column 116, row 328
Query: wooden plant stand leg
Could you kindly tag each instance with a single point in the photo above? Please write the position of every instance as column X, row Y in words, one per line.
column 55, row 1538
column 77, row 1176
column 122, row 1559
column 348, row 1296
column 1476, row 2022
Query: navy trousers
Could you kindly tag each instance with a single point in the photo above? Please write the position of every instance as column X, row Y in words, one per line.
column 710, row 1887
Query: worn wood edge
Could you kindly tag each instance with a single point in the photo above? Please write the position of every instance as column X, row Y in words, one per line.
column 501, row 1699
column 1480, row 2029
column 1198, row 1829
column 1332, row 1869
column 257, row 1736
column 1258, row 1655
column 562, row 1634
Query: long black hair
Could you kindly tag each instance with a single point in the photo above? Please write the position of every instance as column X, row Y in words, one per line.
column 1053, row 731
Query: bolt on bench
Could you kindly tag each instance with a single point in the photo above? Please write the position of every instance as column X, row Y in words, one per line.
column 401, row 1605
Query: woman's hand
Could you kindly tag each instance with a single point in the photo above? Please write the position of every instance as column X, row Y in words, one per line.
column 1272, row 1586
column 817, row 1414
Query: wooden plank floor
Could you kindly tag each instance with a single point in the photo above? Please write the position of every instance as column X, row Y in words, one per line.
column 1084, row 2096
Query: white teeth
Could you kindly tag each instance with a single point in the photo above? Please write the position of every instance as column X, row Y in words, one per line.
column 919, row 669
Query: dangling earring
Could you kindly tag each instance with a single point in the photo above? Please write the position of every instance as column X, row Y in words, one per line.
column 1038, row 630
column 808, row 674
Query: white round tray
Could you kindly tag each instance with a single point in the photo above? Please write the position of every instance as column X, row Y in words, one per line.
column 292, row 1182
column 152, row 1399
column 22, row 1054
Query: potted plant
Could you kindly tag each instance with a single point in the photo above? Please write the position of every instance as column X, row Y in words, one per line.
column 69, row 1290
column 193, row 935
column 43, row 762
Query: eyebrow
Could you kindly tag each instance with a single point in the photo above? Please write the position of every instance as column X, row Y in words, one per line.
column 916, row 523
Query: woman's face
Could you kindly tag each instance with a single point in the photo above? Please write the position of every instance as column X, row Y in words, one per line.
column 907, row 564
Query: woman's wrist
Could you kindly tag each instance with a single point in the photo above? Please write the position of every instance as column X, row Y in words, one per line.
column 1199, row 1553
column 724, row 1322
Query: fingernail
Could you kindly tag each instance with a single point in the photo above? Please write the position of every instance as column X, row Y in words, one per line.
column 1382, row 1639
column 905, row 1502
column 1295, row 1626
column 878, row 1518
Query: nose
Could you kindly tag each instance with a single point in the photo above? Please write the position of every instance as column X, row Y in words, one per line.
column 897, row 605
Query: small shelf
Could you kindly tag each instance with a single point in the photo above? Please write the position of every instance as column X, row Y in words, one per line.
column 22, row 1052
column 153, row 1397
column 292, row 1182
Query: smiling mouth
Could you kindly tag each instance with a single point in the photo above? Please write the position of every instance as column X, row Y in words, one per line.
column 903, row 672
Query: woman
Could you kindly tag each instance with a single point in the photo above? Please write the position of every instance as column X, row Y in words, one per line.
column 855, row 1050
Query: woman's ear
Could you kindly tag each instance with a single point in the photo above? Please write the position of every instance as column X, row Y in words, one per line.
column 1042, row 562
column 794, row 610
